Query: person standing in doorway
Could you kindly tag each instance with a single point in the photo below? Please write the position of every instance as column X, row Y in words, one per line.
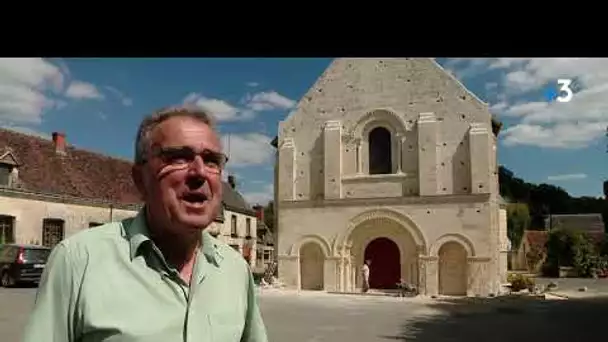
column 365, row 275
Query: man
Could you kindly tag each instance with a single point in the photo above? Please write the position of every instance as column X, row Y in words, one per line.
column 365, row 275
column 159, row 276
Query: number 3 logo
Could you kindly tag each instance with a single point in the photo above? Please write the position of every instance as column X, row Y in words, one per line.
column 565, row 88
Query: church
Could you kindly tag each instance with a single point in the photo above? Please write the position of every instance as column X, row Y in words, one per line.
column 391, row 161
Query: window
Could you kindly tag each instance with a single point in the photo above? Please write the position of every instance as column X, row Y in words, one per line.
column 52, row 232
column 233, row 230
column 7, row 229
column 380, row 156
column 248, row 226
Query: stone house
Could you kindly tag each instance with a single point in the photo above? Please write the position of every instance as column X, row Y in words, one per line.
column 265, row 246
column 393, row 161
column 50, row 190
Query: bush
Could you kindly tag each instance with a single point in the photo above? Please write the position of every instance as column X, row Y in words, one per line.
column 520, row 282
column 567, row 248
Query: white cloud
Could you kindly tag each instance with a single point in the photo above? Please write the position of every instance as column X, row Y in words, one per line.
column 576, row 124
column 27, row 89
column 125, row 100
column 248, row 149
column 249, row 105
column 83, row 90
column 260, row 197
column 567, row 177
column 252, row 84
column 269, row 101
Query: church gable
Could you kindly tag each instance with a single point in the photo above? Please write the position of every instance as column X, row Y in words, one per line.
column 401, row 117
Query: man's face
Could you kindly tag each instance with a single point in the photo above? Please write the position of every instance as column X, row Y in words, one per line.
column 181, row 180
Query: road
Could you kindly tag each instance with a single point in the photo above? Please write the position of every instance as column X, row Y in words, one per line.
column 316, row 317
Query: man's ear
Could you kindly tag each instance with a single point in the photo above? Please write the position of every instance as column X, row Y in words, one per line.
column 138, row 179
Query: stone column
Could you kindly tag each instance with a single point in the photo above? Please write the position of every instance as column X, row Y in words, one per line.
column 427, row 154
column 359, row 158
column 332, row 137
column 399, row 151
column 428, row 275
column 479, row 156
column 287, row 170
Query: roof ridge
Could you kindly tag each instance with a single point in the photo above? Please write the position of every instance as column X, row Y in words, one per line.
column 68, row 145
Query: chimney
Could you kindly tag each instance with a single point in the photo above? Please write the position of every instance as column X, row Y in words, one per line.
column 59, row 141
column 259, row 212
column 232, row 181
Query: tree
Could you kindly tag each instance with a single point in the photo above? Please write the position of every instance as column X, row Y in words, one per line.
column 269, row 215
column 518, row 220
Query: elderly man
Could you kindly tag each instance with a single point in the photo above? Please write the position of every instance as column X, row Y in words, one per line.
column 159, row 276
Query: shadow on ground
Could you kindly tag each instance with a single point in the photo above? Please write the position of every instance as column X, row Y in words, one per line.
column 509, row 319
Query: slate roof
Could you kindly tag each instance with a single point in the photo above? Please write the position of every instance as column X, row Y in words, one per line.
column 82, row 174
column 585, row 222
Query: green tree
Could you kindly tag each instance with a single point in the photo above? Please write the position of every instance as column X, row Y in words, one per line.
column 518, row 220
column 269, row 215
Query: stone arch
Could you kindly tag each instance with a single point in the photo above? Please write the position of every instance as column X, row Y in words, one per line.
column 403, row 220
column 312, row 266
column 323, row 244
column 453, row 269
column 465, row 242
column 380, row 121
column 351, row 247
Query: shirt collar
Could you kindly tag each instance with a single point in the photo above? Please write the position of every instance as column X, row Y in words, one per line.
column 136, row 230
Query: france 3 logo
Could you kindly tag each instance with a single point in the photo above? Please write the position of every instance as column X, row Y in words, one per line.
column 561, row 91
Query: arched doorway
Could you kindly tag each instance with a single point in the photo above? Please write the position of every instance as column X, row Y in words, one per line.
column 311, row 266
column 380, row 155
column 452, row 269
column 385, row 268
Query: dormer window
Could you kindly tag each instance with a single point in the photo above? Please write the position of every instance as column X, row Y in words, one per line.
column 8, row 168
column 5, row 174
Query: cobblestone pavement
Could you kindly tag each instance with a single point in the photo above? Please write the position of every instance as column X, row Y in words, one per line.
column 308, row 317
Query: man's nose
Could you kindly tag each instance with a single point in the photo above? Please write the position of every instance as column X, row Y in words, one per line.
column 197, row 173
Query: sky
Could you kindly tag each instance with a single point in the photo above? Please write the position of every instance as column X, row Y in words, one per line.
column 98, row 104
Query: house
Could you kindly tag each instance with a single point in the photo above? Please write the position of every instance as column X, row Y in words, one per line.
column 392, row 161
column 265, row 245
column 50, row 190
column 524, row 258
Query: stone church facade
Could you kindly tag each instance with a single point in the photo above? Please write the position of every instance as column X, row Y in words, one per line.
column 393, row 161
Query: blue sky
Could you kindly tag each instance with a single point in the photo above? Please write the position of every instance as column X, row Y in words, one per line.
column 99, row 102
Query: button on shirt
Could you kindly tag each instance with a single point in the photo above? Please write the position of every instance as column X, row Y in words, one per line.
column 111, row 283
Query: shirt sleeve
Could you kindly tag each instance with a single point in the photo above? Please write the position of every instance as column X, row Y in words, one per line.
column 255, row 330
column 53, row 317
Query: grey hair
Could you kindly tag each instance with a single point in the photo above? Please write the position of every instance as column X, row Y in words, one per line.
column 147, row 125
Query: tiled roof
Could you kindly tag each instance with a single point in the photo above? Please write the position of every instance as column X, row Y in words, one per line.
column 536, row 238
column 82, row 174
column 77, row 173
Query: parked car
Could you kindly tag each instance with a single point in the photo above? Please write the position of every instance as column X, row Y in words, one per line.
column 20, row 263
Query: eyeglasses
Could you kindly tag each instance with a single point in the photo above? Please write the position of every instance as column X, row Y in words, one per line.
column 184, row 155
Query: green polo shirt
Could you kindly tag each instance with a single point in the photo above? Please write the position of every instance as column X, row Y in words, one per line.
column 111, row 283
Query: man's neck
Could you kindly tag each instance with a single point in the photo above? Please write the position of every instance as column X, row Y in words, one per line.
column 179, row 250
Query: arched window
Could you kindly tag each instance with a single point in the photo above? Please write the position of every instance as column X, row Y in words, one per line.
column 380, row 151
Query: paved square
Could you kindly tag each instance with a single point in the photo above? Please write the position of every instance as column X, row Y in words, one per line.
column 315, row 317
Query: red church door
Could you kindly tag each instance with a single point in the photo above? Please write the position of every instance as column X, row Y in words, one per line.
column 385, row 268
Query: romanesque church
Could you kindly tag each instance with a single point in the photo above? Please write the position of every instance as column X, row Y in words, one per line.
column 392, row 161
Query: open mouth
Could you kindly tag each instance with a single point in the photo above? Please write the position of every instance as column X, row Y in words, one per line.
column 194, row 198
